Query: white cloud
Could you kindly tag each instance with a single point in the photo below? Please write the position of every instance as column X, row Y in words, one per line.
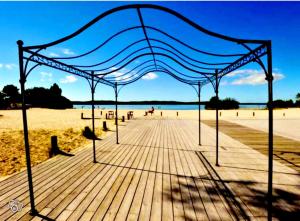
column 52, row 54
column 252, row 77
column 149, row 76
column 68, row 79
column 120, row 75
column 67, row 51
column 46, row 76
column 8, row 66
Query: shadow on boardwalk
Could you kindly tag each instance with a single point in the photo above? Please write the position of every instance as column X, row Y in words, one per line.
column 286, row 205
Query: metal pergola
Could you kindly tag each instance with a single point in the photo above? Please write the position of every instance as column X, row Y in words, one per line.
column 160, row 55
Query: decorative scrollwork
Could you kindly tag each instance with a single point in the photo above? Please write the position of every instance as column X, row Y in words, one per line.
column 247, row 58
column 43, row 60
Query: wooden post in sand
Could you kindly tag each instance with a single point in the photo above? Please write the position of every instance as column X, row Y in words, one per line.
column 161, row 113
column 81, row 115
column 54, row 146
column 105, row 126
column 123, row 118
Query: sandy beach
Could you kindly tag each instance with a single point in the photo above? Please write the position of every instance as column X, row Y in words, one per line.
column 68, row 126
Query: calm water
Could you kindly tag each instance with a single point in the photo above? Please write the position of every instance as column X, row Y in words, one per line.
column 156, row 107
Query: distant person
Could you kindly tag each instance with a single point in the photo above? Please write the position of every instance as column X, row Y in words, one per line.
column 151, row 111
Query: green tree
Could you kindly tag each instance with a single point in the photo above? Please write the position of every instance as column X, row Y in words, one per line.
column 229, row 103
column 47, row 98
column 12, row 93
column 297, row 100
column 298, row 97
column 226, row 104
column 2, row 100
column 212, row 103
column 55, row 90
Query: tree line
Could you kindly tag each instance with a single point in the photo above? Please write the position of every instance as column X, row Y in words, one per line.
column 10, row 98
column 230, row 103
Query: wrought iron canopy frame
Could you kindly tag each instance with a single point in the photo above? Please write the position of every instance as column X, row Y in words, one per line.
column 203, row 72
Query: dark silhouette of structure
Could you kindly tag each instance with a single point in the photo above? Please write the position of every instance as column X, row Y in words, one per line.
column 160, row 52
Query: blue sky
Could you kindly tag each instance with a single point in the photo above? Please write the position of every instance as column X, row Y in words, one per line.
column 43, row 22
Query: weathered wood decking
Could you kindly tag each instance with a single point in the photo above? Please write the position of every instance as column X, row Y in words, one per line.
column 157, row 172
column 286, row 151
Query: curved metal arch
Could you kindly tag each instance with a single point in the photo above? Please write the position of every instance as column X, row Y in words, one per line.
column 196, row 66
column 200, row 62
column 139, row 50
column 147, row 54
column 190, row 47
column 111, row 77
column 153, row 39
column 27, row 62
column 115, row 55
column 102, row 44
column 178, row 71
column 114, row 65
column 124, row 79
column 125, row 76
column 155, row 29
column 164, row 70
column 160, row 70
column 146, row 6
column 257, row 60
column 197, row 79
column 153, row 69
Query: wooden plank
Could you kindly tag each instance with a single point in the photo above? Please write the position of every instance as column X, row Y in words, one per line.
column 286, row 150
column 154, row 174
column 115, row 205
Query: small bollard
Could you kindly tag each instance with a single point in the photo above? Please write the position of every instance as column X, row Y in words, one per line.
column 177, row 113
column 54, row 147
column 253, row 114
column 220, row 113
column 161, row 113
column 128, row 116
column 100, row 113
column 81, row 115
column 237, row 114
column 106, row 116
column 123, row 118
column 105, row 126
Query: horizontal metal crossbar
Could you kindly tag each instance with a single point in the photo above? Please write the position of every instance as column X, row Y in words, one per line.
column 49, row 62
column 247, row 58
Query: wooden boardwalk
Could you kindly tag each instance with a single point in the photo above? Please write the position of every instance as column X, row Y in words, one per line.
column 286, row 151
column 157, row 172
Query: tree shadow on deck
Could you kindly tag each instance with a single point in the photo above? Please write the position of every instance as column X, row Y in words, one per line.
column 286, row 205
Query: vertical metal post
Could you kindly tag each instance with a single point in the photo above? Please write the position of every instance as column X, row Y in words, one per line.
column 117, row 129
column 217, row 119
column 199, row 97
column 93, row 117
column 269, row 78
column 25, row 128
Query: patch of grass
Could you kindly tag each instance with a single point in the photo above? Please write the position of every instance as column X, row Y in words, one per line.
column 12, row 150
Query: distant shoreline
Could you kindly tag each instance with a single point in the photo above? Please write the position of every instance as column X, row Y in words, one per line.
column 111, row 102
